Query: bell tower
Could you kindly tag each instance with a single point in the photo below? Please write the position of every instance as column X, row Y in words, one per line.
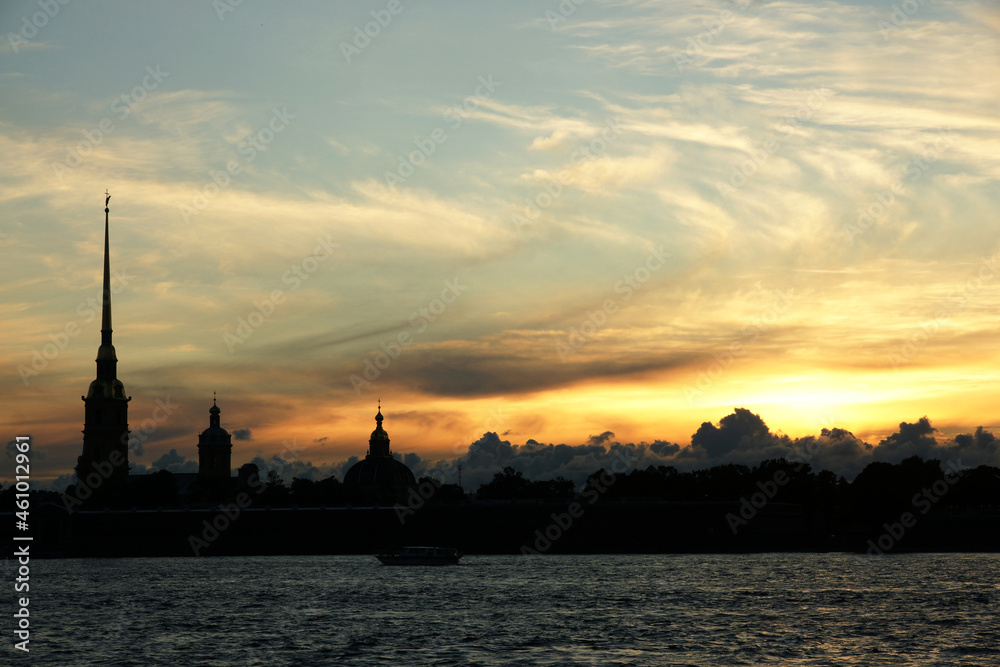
column 105, row 425
column 215, row 447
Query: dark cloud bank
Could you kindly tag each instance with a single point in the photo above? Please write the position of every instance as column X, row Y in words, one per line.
column 741, row 437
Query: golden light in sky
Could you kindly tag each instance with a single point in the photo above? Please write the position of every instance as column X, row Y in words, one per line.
column 615, row 222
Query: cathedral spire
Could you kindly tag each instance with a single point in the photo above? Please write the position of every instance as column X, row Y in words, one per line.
column 107, row 360
column 105, row 426
column 106, row 301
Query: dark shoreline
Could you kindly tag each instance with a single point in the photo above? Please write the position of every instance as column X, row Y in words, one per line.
column 618, row 527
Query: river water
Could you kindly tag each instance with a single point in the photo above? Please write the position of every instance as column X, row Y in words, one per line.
column 760, row 609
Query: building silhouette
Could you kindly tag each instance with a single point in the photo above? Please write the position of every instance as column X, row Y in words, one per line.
column 379, row 471
column 215, row 448
column 106, row 434
column 105, row 425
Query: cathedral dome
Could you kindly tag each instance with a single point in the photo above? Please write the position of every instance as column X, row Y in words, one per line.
column 379, row 471
column 215, row 434
column 379, row 468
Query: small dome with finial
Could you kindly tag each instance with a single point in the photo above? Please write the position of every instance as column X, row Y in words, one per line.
column 379, row 468
column 214, row 420
column 379, row 441
column 215, row 446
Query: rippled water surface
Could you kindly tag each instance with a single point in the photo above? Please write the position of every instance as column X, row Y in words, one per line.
column 774, row 609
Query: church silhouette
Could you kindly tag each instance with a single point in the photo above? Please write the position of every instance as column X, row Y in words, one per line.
column 106, row 436
column 109, row 512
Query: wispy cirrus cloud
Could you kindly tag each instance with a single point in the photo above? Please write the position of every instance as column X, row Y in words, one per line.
column 736, row 113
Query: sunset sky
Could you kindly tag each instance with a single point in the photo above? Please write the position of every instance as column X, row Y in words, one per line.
column 549, row 221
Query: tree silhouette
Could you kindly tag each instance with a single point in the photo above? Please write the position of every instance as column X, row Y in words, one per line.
column 506, row 484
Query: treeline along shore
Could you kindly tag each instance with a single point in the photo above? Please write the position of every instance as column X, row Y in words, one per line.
column 779, row 505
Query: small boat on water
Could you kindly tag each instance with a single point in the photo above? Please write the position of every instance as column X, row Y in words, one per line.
column 420, row 556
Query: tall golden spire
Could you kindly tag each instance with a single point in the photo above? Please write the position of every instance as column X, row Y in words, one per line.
column 106, row 301
column 105, row 423
column 107, row 360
